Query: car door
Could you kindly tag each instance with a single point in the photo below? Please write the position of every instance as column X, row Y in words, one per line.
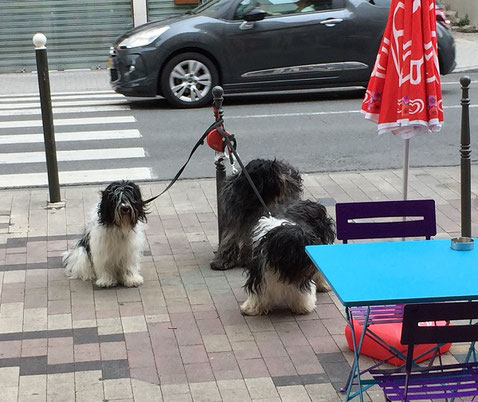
column 298, row 41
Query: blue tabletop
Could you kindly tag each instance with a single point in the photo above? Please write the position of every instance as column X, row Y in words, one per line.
column 363, row 274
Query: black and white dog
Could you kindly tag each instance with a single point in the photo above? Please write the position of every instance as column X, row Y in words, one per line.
column 280, row 269
column 277, row 182
column 110, row 250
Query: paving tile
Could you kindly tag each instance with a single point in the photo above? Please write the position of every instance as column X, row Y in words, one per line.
column 293, row 393
column 261, row 388
column 252, row 368
column 114, row 369
column 323, row 393
column 32, row 387
column 61, row 387
column 113, row 350
column 216, row 343
column 9, row 349
column 144, row 391
column 233, row 390
column 206, row 391
column 193, row 354
column 118, row 389
column 198, row 372
column 146, row 374
column 87, row 352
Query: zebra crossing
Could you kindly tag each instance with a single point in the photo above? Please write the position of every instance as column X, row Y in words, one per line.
column 96, row 135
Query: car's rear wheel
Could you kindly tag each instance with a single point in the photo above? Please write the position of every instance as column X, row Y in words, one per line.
column 187, row 80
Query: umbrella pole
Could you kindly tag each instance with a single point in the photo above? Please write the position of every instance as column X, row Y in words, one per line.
column 406, row 153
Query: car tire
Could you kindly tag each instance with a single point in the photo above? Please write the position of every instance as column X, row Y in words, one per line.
column 187, row 80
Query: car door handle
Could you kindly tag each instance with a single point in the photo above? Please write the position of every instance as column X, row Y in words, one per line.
column 330, row 22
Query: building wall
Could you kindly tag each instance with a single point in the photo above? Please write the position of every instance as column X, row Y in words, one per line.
column 464, row 7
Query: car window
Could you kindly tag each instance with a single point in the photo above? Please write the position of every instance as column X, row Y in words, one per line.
column 285, row 7
column 210, row 7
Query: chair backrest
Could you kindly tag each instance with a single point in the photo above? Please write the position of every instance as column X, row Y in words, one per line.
column 425, row 226
column 413, row 334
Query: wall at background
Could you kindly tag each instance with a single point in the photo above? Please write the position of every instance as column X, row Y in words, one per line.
column 464, row 7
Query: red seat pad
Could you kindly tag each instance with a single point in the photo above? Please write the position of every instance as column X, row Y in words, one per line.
column 391, row 334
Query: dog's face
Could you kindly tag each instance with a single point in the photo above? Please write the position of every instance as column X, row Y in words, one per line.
column 121, row 205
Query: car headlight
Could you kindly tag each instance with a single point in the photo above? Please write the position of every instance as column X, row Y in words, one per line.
column 143, row 38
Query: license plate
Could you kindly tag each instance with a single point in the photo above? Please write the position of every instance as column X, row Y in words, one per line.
column 110, row 62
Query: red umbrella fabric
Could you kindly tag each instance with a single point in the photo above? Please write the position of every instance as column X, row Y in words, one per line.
column 404, row 93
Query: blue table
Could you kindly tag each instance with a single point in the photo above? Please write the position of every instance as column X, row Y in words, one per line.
column 398, row 272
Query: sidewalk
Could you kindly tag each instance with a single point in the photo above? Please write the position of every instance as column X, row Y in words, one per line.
column 98, row 80
column 180, row 336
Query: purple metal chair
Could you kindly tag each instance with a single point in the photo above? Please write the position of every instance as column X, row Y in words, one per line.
column 348, row 228
column 437, row 381
column 423, row 225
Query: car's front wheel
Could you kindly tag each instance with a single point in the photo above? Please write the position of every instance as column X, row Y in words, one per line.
column 187, row 80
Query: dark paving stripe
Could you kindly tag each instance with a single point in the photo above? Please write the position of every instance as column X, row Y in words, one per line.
column 111, row 338
column 85, row 335
column 331, row 357
column 52, row 263
column 80, row 335
column 147, row 253
column 13, row 242
column 300, row 379
column 55, row 262
column 111, row 369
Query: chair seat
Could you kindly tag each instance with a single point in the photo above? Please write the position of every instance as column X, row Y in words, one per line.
column 378, row 314
column 447, row 381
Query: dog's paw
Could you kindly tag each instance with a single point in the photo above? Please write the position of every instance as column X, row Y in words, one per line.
column 105, row 282
column 218, row 265
column 132, row 280
column 248, row 308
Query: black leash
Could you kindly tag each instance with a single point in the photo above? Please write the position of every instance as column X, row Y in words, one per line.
column 213, row 126
column 218, row 125
column 244, row 170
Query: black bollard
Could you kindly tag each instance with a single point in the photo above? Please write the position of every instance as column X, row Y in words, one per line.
column 218, row 99
column 465, row 164
column 39, row 41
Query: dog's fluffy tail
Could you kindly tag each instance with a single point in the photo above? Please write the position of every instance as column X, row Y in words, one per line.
column 77, row 262
column 282, row 243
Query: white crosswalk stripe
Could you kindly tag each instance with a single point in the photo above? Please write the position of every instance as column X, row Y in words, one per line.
column 113, row 139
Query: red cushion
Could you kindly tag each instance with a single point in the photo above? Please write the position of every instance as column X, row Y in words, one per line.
column 391, row 334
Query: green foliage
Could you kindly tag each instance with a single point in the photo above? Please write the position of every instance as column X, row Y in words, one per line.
column 464, row 21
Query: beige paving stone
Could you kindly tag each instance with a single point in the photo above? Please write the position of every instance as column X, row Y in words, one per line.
column 118, row 389
column 32, row 387
column 84, row 323
column 293, row 393
column 60, row 387
column 59, row 321
column 35, row 319
column 233, row 390
column 216, row 343
column 108, row 326
column 261, row 388
column 205, row 392
column 174, row 389
column 178, row 398
column 134, row 324
column 14, row 276
column 85, row 380
column 322, row 392
column 144, row 391
column 238, row 333
column 9, row 394
column 9, row 376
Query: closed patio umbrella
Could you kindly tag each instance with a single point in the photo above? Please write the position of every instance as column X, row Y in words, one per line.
column 404, row 94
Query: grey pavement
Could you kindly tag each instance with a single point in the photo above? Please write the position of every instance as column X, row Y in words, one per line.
column 179, row 336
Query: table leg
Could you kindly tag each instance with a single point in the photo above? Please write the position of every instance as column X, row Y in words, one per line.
column 355, row 371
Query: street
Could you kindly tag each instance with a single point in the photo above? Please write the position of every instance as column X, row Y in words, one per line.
column 102, row 136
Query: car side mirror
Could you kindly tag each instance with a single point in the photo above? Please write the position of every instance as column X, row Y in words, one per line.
column 256, row 14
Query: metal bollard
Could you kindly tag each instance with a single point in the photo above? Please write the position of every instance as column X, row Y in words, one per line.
column 218, row 99
column 465, row 164
column 39, row 40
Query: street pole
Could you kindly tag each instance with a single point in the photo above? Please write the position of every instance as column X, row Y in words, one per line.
column 465, row 164
column 39, row 40
column 218, row 99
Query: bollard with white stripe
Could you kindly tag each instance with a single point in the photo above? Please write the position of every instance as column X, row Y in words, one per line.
column 39, row 40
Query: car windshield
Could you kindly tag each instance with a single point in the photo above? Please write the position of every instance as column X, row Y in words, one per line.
column 210, row 7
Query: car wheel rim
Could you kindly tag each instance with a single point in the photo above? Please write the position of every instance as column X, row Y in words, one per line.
column 190, row 81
